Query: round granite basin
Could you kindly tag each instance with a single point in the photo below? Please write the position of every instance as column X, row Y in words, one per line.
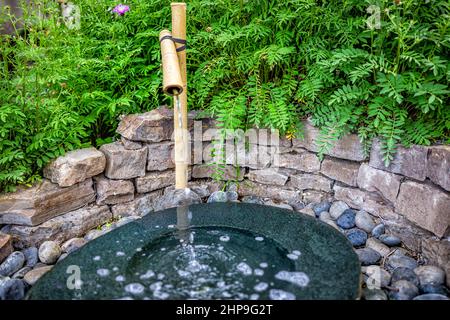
column 210, row 251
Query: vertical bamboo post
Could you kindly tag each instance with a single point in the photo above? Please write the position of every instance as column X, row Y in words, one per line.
column 181, row 136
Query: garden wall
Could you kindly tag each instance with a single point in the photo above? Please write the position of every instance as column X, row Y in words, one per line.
column 134, row 176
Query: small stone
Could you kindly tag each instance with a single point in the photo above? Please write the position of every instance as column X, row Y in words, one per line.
column 398, row 260
column 279, row 205
column 431, row 296
column 218, row 196
column 324, row 215
column 308, row 211
column 376, row 245
column 402, row 273
column 62, row 257
column 403, row 290
column 11, row 289
column 364, row 221
column 431, row 288
column 430, row 275
column 73, row 244
column 21, row 273
column 320, row 207
column 12, row 264
column 332, row 223
column 252, row 199
column 376, row 277
column 378, row 230
column 31, row 256
column 357, row 237
column 49, row 252
column 337, row 208
column 35, row 274
column 232, row 195
column 389, row 240
column 374, row 294
column 296, row 204
column 347, row 219
column 6, row 247
column 368, row 256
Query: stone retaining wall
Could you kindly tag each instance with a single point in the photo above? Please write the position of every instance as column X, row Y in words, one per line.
column 135, row 175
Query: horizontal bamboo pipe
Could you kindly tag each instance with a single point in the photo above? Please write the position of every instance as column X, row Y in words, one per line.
column 172, row 80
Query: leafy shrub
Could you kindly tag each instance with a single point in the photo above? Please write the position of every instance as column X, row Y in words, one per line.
column 250, row 63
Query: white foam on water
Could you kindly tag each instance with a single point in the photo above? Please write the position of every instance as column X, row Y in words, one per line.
column 298, row 278
column 115, row 269
column 296, row 252
column 224, row 238
column 220, row 248
column 292, row 256
column 120, row 254
column 259, row 238
column 161, row 276
column 244, row 268
column 149, row 274
column 160, row 295
column 97, row 258
column 138, row 249
column 277, row 294
column 261, row 286
column 120, row 278
column 163, row 249
column 103, row 272
column 171, row 226
column 135, row 288
column 221, row 284
column 183, row 273
column 125, row 298
column 258, row 272
column 156, row 286
column 263, row 265
column 254, row 296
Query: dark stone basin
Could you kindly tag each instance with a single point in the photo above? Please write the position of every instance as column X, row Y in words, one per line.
column 210, row 251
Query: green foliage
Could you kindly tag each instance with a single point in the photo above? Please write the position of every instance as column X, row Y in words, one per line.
column 250, row 63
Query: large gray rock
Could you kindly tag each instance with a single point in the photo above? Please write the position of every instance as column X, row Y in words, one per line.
column 268, row 176
column 229, row 172
column 6, row 247
column 303, row 181
column 49, row 252
column 341, row 170
column 439, row 166
column 425, row 205
column 130, row 145
column 113, row 191
column 70, row 225
column 153, row 126
column 249, row 188
column 12, row 264
column 11, row 289
column 155, row 180
column 75, row 166
column 140, row 206
column 31, row 256
column 176, row 198
column 253, row 156
column 160, row 156
column 349, row 147
column 410, row 162
column 361, row 200
column 122, row 163
column 375, row 180
column 43, row 201
column 398, row 259
column 305, row 161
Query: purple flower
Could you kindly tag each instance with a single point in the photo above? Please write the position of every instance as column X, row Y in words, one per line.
column 120, row 9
